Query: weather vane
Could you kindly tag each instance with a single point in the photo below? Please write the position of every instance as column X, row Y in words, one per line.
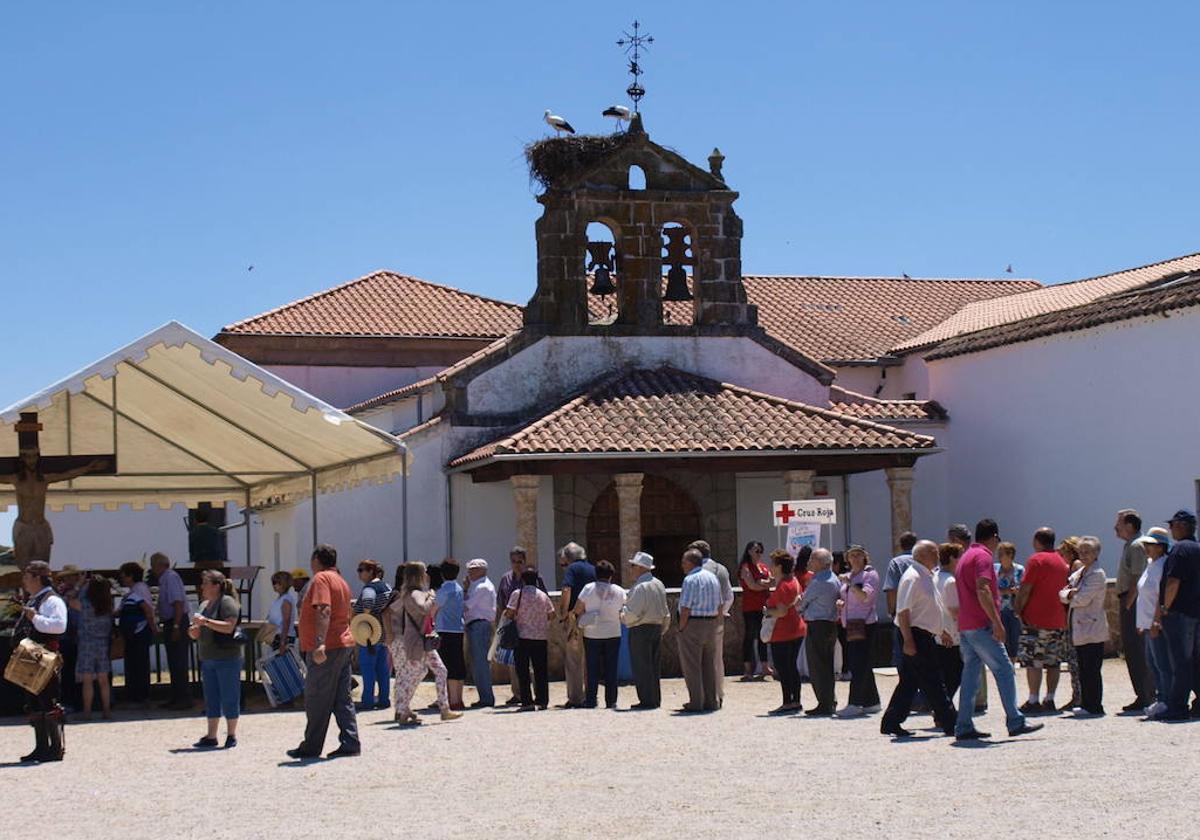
column 634, row 44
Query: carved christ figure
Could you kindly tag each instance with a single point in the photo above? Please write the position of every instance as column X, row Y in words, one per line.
column 31, row 476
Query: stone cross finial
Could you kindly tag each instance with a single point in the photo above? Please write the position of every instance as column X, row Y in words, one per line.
column 715, row 161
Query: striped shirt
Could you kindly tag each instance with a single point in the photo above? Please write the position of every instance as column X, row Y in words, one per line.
column 701, row 593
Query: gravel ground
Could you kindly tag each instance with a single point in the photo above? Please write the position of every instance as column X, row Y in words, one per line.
column 599, row 773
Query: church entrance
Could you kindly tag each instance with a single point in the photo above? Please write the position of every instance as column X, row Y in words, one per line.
column 670, row 520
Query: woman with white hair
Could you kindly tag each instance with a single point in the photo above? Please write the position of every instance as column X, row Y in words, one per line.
column 1084, row 595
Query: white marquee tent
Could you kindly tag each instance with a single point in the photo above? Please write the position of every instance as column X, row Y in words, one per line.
column 190, row 421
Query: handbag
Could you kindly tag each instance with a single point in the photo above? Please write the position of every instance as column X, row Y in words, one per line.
column 768, row 628
column 228, row 640
column 509, row 636
column 856, row 629
column 430, row 640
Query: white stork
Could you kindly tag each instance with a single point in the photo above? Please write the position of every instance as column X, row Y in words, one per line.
column 557, row 123
column 619, row 113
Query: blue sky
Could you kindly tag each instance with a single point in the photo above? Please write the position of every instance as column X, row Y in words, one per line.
column 151, row 152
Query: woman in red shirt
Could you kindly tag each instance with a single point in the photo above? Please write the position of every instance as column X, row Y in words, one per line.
column 788, row 632
column 755, row 579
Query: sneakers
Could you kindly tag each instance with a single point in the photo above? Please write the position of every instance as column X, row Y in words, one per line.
column 206, row 743
column 851, row 711
column 450, row 714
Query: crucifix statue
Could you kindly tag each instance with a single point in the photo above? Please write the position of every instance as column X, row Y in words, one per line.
column 31, row 474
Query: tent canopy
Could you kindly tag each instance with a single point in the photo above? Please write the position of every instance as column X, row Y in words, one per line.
column 190, row 421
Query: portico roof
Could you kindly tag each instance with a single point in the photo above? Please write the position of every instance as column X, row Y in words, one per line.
column 669, row 413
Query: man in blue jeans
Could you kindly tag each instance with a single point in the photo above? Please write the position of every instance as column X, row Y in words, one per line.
column 1180, row 613
column 982, row 632
column 478, row 611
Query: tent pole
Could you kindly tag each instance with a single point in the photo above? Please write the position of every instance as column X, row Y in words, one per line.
column 249, row 562
column 313, row 477
column 404, row 503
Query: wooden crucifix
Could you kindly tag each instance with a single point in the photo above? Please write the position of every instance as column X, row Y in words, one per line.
column 31, row 474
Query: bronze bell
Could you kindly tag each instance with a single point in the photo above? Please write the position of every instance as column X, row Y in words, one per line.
column 677, row 288
column 602, row 283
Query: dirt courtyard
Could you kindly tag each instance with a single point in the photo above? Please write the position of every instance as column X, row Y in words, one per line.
column 607, row 774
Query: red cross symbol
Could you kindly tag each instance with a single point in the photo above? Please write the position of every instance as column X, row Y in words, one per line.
column 784, row 514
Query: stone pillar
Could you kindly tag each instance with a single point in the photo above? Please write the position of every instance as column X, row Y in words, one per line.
column 899, row 480
column 799, row 484
column 629, row 512
column 525, row 495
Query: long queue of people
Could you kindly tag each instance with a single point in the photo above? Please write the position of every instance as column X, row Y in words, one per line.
column 958, row 608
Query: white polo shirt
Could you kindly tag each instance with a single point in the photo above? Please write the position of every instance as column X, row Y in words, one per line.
column 1147, row 589
column 919, row 596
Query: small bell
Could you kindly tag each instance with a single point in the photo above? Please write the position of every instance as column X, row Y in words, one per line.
column 602, row 283
column 677, row 288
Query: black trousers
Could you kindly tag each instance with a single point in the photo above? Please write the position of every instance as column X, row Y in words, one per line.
column 137, row 666
column 1091, row 684
column 951, row 664
column 69, row 648
column 752, row 627
column 784, row 654
column 863, row 691
column 177, row 661
column 818, row 649
column 601, row 656
column 1133, row 647
column 645, row 654
column 533, row 652
column 920, row 672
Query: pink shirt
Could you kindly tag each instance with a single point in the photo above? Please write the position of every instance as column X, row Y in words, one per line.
column 975, row 563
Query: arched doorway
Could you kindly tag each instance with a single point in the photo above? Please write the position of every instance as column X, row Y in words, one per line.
column 670, row 520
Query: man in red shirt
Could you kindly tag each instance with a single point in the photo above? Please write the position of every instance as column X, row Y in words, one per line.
column 328, row 647
column 1044, row 636
column 982, row 632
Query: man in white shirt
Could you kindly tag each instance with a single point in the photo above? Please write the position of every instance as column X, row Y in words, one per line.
column 722, row 573
column 919, row 618
column 44, row 620
column 479, row 609
column 648, row 617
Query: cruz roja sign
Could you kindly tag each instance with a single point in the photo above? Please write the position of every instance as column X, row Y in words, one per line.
column 820, row 511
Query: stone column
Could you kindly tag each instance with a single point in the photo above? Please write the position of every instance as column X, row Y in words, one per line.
column 629, row 512
column 900, row 480
column 525, row 494
column 799, row 484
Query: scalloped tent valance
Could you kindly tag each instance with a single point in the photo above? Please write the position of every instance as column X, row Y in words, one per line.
column 190, row 421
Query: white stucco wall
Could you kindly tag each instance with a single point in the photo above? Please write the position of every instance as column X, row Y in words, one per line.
column 343, row 386
column 400, row 416
column 1066, row 430
column 485, row 523
column 911, row 377
column 557, row 366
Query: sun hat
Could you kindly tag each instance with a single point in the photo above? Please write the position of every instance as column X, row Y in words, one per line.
column 1156, row 535
column 366, row 629
column 477, row 563
column 642, row 559
column 300, row 573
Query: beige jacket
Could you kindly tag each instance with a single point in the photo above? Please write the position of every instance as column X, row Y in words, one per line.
column 1089, row 619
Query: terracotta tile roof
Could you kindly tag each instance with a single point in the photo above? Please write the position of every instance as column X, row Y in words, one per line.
column 391, row 396
column 1014, row 308
column 838, row 319
column 387, row 304
column 1158, row 299
column 669, row 411
column 854, row 404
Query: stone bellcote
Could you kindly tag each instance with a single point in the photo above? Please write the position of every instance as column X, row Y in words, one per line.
column 680, row 224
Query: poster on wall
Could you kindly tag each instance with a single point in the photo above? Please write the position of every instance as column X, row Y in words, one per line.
column 802, row 534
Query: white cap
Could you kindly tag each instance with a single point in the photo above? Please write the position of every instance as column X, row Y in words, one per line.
column 642, row 559
column 477, row 563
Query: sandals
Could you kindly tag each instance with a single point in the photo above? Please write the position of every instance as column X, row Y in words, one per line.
column 407, row 719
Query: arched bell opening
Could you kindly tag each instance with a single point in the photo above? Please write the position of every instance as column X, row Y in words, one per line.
column 678, row 272
column 601, row 269
column 637, row 177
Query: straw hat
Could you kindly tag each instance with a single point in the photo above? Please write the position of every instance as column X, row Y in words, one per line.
column 67, row 571
column 366, row 629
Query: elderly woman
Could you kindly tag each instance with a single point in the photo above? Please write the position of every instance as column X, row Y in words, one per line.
column 213, row 627
column 532, row 611
column 138, row 629
column 1084, row 595
column 1009, row 574
column 95, row 605
column 599, row 612
column 1149, row 624
column 282, row 613
column 755, row 579
column 858, row 618
column 373, row 663
column 1068, row 550
column 788, row 631
column 408, row 618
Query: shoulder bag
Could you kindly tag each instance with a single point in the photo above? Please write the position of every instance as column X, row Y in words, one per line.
column 509, row 634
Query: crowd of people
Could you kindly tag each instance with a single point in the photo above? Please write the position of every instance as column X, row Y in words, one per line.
column 959, row 609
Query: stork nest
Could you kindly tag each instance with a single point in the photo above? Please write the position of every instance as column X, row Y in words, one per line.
column 556, row 158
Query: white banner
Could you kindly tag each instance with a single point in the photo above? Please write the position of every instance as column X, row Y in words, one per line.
column 823, row 511
column 801, row 534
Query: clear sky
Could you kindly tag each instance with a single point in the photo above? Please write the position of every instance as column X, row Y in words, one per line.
column 151, row 152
